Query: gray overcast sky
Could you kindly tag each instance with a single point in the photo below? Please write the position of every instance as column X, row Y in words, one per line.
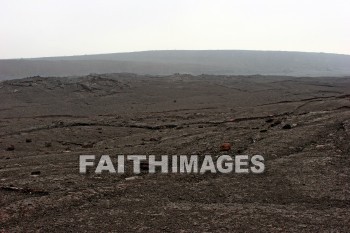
column 35, row 28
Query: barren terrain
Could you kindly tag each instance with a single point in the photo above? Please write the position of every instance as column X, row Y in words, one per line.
column 300, row 125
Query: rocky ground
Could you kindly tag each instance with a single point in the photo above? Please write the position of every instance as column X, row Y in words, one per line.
column 300, row 125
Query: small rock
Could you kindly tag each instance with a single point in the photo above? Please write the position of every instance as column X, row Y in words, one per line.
column 48, row 144
column 276, row 123
column 10, row 148
column 287, row 126
column 35, row 173
column 225, row 146
column 263, row 131
column 252, row 140
column 269, row 120
column 28, row 140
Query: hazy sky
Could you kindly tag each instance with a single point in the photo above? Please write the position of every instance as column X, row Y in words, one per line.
column 35, row 28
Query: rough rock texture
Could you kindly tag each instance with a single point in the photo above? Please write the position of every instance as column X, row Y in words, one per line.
column 305, row 187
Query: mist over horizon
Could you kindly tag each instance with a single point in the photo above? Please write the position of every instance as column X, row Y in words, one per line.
column 64, row 28
column 271, row 37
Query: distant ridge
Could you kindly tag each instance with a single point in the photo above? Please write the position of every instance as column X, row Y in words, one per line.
column 165, row 62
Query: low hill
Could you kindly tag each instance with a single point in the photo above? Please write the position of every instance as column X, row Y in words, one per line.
column 221, row 62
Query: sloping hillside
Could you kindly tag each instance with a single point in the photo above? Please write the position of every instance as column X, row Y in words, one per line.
column 222, row 62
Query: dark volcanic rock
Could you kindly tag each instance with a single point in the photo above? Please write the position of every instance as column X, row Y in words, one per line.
column 269, row 120
column 10, row 148
column 276, row 123
column 287, row 126
column 35, row 173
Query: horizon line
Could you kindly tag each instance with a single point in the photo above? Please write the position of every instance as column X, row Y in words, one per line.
column 164, row 50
